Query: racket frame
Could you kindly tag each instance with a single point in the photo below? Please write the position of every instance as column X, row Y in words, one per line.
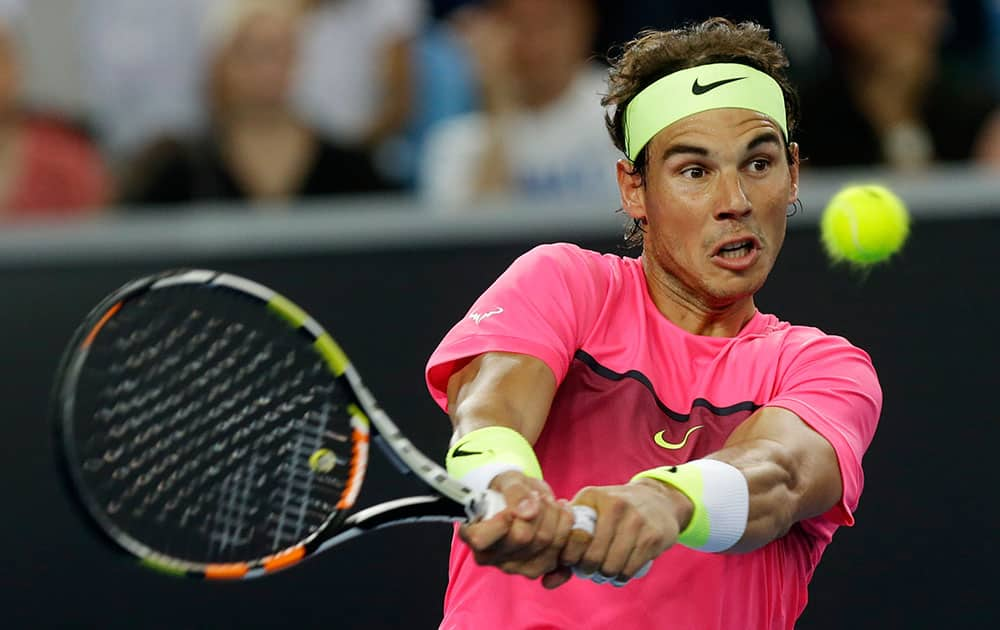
column 452, row 501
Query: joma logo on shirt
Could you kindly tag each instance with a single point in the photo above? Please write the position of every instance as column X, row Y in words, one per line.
column 478, row 317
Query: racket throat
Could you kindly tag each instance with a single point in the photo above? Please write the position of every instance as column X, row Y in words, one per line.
column 392, row 455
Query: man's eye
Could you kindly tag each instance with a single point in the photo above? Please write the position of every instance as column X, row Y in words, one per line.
column 760, row 164
column 695, row 172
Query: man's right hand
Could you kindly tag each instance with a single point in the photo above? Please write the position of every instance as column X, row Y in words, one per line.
column 528, row 536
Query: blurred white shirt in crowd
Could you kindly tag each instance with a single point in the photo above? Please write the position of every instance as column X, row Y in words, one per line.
column 338, row 87
column 143, row 65
column 562, row 151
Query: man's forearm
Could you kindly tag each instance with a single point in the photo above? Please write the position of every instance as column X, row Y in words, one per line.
column 791, row 473
column 501, row 389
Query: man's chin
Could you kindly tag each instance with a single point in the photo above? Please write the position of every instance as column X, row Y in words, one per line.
column 727, row 295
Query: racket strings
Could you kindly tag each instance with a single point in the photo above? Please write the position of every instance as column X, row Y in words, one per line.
column 203, row 433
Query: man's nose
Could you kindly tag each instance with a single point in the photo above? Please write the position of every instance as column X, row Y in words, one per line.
column 733, row 202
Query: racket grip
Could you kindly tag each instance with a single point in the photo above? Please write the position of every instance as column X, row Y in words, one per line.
column 490, row 503
column 585, row 520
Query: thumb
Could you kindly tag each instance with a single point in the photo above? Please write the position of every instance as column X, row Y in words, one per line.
column 527, row 507
column 519, row 492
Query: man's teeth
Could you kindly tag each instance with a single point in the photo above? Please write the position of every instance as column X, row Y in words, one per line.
column 735, row 250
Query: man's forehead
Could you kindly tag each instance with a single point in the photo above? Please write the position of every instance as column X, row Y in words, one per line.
column 731, row 128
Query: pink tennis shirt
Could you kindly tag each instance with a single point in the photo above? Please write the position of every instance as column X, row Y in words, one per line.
column 635, row 391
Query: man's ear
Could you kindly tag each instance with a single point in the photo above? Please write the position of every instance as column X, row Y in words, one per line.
column 631, row 189
column 793, row 170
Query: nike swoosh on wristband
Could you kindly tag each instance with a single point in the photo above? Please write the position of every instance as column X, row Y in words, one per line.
column 697, row 88
column 458, row 452
column 658, row 438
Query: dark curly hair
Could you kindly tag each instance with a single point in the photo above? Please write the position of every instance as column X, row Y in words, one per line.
column 655, row 54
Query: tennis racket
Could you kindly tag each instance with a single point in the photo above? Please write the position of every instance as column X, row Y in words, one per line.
column 210, row 428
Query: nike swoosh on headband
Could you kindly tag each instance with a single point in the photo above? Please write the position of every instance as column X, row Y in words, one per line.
column 697, row 88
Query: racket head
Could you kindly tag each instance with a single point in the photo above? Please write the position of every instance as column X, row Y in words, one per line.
column 205, row 425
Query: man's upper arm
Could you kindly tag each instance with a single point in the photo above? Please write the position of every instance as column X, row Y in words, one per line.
column 501, row 388
column 541, row 306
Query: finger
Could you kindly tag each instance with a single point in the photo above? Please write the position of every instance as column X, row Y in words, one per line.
column 520, row 493
column 556, row 578
column 595, row 553
column 550, row 517
column 564, row 526
column 537, row 543
column 519, row 538
column 641, row 572
column 547, row 558
column 543, row 489
column 622, row 544
column 538, row 489
column 539, row 556
column 529, row 506
column 485, row 534
column 637, row 565
column 577, row 542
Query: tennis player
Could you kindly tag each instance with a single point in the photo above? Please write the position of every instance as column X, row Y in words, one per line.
column 716, row 440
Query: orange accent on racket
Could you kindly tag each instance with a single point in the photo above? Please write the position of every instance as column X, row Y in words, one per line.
column 231, row 571
column 100, row 324
column 347, row 498
column 284, row 559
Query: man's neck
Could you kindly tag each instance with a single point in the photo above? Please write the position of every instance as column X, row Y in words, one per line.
column 677, row 303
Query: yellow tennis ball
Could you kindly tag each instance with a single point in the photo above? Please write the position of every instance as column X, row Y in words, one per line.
column 864, row 224
column 322, row 460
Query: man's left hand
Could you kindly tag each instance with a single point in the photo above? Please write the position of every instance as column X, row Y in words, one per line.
column 636, row 522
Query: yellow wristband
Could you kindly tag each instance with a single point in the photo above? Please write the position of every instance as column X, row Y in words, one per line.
column 481, row 455
column 721, row 500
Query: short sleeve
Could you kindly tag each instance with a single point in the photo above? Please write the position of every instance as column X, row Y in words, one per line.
column 832, row 386
column 541, row 306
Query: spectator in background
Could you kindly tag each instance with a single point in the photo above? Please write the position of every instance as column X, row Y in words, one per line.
column 444, row 86
column 357, row 74
column 887, row 100
column 47, row 167
column 141, row 62
column 255, row 147
column 539, row 134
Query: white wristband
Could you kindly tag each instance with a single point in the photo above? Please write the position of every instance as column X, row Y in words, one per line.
column 721, row 500
column 479, row 478
column 726, row 499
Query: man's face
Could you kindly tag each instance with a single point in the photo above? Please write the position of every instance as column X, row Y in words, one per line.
column 718, row 185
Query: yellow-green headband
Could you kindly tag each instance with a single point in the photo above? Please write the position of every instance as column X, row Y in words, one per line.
column 694, row 90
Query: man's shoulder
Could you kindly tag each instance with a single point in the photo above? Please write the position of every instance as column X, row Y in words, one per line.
column 585, row 276
column 808, row 342
column 803, row 334
column 572, row 257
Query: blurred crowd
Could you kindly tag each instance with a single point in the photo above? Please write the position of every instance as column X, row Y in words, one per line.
column 448, row 101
